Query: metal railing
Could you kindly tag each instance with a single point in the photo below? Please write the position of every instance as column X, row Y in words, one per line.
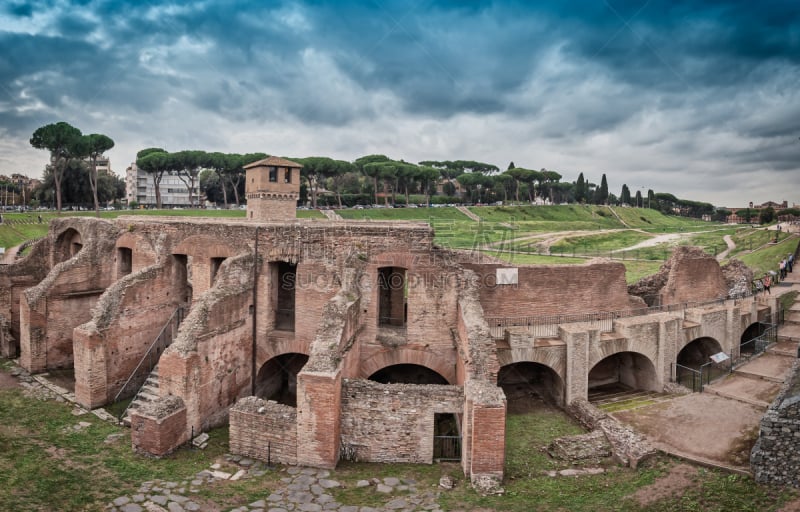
column 447, row 448
column 150, row 358
column 697, row 379
column 546, row 326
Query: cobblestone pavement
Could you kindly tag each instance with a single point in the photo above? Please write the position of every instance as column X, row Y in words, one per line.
column 302, row 489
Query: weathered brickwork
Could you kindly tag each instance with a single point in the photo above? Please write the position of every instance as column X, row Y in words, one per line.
column 774, row 458
column 158, row 428
column 305, row 307
column 554, row 289
column 393, row 422
column 264, row 430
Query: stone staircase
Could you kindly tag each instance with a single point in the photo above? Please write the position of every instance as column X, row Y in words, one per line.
column 147, row 393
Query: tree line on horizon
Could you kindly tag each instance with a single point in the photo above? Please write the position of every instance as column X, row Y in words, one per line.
column 370, row 179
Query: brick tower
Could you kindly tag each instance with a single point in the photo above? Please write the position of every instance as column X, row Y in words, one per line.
column 272, row 189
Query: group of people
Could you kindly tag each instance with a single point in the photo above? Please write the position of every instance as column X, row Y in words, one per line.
column 770, row 278
column 786, row 265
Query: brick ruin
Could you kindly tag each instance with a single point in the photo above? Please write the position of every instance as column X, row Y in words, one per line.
column 318, row 341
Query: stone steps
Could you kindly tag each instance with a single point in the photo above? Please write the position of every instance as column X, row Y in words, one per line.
column 147, row 393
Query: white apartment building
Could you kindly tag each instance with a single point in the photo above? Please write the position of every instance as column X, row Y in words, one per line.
column 174, row 192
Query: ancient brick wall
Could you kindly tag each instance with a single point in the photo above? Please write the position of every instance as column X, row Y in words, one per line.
column 551, row 289
column 319, row 396
column 16, row 278
column 159, row 427
column 209, row 364
column 264, row 430
column 773, row 459
column 694, row 278
column 64, row 299
column 393, row 422
column 125, row 323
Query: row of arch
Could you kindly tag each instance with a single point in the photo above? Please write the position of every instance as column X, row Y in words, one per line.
column 277, row 377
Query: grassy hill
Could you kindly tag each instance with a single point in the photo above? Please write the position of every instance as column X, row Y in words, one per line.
column 559, row 234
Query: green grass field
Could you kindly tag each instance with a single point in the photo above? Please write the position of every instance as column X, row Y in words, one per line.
column 506, row 228
column 47, row 465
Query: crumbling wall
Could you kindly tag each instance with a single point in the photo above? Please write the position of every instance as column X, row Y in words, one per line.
column 773, row 459
column 554, row 289
column 738, row 278
column 689, row 275
column 159, row 427
column 64, row 299
column 264, row 430
column 125, row 322
column 393, row 422
column 628, row 447
column 209, row 363
column 15, row 278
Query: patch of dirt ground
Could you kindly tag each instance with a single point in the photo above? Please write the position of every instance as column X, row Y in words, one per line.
column 679, row 477
column 7, row 381
column 701, row 425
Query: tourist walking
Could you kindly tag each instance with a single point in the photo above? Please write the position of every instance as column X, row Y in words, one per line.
column 767, row 282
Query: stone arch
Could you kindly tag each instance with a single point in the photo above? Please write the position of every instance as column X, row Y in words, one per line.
column 272, row 348
column 276, row 379
column 68, row 243
column 525, row 381
column 604, row 349
column 407, row 374
column 430, row 360
column 624, row 368
column 697, row 352
column 753, row 331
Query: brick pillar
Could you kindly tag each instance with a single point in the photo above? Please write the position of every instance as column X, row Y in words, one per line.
column 33, row 336
column 485, row 413
column 91, row 372
column 577, row 379
column 319, row 397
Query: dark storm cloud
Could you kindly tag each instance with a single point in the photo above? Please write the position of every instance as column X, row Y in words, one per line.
column 647, row 76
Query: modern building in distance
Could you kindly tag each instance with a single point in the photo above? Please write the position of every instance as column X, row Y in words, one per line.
column 139, row 187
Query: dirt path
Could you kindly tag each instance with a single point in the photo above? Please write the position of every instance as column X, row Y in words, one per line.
column 731, row 246
column 10, row 255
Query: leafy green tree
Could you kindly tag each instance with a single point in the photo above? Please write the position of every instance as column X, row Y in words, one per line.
column 638, row 199
column 187, row 166
column 92, row 147
column 427, row 177
column 155, row 162
column 625, row 195
column 580, row 189
column 766, row 215
column 602, row 192
column 60, row 140
column 504, row 182
column 369, row 166
column 550, row 178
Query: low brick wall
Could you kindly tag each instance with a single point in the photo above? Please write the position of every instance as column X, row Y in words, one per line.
column 263, row 430
column 393, row 422
column 774, row 458
column 159, row 427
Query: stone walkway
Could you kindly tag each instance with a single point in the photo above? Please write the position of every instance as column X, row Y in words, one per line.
column 302, row 489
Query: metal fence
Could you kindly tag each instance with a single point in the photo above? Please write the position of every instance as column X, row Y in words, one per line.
column 697, row 379
column 546, row 326
column 447, row 448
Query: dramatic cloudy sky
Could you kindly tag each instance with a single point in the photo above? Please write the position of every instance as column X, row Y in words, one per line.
column 697, row 98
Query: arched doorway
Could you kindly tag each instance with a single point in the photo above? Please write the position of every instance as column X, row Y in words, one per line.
column 527, row 384
column 277, row 378
column 698, row 352
column 751, row 341
column 620, row 373
column 68, row 244
column 407, row 374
